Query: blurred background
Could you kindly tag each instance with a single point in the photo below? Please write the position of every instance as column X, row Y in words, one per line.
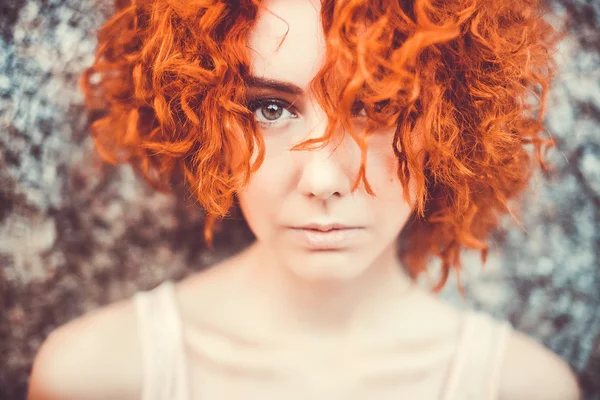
column 76, row 234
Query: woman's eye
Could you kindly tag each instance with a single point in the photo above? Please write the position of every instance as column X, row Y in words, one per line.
column 358, row 109
column 271, row 111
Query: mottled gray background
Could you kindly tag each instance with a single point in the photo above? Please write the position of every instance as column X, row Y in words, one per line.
column 75, row 235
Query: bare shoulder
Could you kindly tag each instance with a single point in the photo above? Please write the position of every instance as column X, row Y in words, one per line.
column 531, row 372
column 96, row 356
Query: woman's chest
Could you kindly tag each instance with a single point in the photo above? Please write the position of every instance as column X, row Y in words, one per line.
column 221, row 370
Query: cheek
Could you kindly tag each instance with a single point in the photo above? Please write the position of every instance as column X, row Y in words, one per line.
column 254, row 207
column 389, row 204
column 382, row 166
column 257, row 195
column 261, row 199
column 265, row 182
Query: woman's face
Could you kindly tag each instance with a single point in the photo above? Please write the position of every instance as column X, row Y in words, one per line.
column 293, row 189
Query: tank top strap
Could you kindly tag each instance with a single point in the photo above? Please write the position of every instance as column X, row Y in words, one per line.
column 161, row 338
column 500, row 335
column 475, row 373
column 460, row 358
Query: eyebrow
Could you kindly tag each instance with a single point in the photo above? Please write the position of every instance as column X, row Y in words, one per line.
column 273, row 84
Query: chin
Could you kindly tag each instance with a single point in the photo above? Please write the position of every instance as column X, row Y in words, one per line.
column 326, row 266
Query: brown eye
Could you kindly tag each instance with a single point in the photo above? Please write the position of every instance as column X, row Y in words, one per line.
column 358, row 109
column 380, row 106
column 271, row 111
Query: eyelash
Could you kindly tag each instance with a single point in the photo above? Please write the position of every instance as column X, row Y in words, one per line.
column 256, row 104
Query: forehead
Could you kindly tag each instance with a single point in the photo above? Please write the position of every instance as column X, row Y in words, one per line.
column 298, row 58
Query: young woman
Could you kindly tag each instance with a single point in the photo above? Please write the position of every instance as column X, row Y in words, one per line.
column 359, row 139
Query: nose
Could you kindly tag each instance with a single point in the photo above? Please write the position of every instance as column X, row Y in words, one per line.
column 329, row 171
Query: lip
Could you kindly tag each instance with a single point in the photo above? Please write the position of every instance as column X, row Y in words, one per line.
column 334, row 238
column 326, row 227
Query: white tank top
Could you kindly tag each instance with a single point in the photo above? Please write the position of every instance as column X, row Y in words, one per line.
column 473, row 374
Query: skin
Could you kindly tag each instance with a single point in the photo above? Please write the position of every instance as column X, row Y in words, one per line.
column 292, row 189
column 288, row 316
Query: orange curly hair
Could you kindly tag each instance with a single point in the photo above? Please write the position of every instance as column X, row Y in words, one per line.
column 167, row 95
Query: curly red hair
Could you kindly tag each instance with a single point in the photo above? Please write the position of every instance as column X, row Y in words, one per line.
column 167, row 93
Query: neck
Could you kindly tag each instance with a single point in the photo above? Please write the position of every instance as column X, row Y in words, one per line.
column 326, row 308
